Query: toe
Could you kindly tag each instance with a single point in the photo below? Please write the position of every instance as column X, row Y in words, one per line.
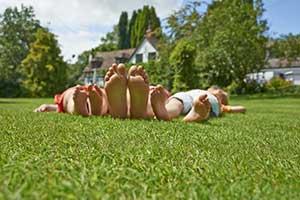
column 106, row 78
column 121, row 69
column 132, row 70
column 140, row 71
column 89, row 87
column 114, row 67
column 108, row 75
column 97, row 89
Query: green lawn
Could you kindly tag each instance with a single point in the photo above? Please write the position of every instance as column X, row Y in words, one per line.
column 244, row 156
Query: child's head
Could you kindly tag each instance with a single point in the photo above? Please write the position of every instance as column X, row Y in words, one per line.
column 220, row 94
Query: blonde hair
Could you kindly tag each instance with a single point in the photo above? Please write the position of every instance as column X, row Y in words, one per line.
column 220, row 94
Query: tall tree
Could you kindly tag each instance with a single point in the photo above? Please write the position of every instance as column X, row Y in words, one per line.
column 44, row 69
column 123, row 42
column 183, row 23
column 145, row 18
column 154, row 20
column 17, row 28
column 131, row 31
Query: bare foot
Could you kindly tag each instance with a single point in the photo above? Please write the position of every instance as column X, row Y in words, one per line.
column 158, row 102
column 96, row 98
column 46, row 108
column 199, row 111
column 80, row 102
column 138, row 86
column 115, row 88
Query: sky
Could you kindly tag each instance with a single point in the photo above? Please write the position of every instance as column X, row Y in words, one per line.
column 79, row 24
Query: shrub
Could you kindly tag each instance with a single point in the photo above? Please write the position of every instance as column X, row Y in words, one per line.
column 278, row 85
column 182, row 60
column 249, row 87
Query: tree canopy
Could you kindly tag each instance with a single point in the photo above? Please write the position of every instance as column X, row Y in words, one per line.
column 43, row 68
column 229, row 41
column 232, row 41
column 17, row 28
column 285, row 47
column 129, row 33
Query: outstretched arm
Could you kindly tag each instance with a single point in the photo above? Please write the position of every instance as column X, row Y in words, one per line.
column 46, row 108
column 233, row 109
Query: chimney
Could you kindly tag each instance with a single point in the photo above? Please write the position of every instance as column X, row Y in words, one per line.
column 90, row 58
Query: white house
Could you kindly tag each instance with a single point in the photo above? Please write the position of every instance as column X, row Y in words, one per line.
column 278, row 68
column 146, row 51
column 102, row 61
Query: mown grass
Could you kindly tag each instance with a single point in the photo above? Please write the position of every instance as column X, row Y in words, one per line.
column 243, row 156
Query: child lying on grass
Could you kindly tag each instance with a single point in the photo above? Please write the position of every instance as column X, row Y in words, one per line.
column 130, row 96
column 196, row 105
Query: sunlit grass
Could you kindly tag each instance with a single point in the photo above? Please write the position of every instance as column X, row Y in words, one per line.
column 243, row 156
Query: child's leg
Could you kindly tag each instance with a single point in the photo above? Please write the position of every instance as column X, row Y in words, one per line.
column 174, row 108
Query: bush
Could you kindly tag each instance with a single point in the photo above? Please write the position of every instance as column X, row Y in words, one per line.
column 294, row 89
column 249, row 87
column 278, row 85
column 182, row 60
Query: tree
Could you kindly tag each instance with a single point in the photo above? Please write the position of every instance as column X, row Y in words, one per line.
column 131, row 31
column 182, row 60
column 140, row 25
column 123, row 42
column 183, row 23
column 17, row 28
column 43, row 68
column 74, row 71
column 154, row 20
column 126, row 35
column 286, row 47
column 231, row 41
column 145, row 18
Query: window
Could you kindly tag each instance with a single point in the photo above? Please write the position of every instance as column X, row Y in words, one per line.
column 121, row 60
column 139, row 58
column 152, row 56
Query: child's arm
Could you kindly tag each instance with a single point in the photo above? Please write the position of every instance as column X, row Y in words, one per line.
column 233, row 109
column 46, row 108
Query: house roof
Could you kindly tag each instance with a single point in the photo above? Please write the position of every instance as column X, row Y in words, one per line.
column 104, row 60
column 153, row 41
column 282, row 63
column 150, row 37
